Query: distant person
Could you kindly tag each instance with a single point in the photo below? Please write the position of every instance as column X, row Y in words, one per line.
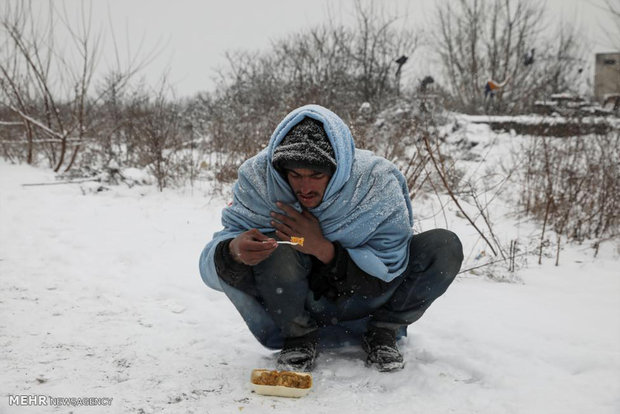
column 528, row 58
column 360, row 274
column 425, row 82
column 492, row 87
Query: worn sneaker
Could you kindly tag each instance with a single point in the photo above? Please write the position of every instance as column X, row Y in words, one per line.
column 383, row 353
column 298, row 354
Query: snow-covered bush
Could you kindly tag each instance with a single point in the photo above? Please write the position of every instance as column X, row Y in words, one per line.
column 341, row 68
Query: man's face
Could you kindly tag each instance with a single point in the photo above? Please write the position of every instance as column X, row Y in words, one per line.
column 308, row 185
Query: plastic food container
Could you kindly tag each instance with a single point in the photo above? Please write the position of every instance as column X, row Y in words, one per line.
column 281, row 383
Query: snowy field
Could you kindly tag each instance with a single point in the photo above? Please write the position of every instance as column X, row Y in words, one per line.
column 100, row 296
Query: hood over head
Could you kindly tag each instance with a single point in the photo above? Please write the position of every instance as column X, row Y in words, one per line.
column 337, row 132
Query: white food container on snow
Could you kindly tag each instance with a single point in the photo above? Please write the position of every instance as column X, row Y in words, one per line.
column 280, row 390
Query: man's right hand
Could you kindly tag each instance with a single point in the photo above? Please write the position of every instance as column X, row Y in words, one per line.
column 252, row 247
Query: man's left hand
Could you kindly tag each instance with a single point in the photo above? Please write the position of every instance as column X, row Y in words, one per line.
column 304, row 225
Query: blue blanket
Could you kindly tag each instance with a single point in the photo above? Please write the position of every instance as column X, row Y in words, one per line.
column 366, row 206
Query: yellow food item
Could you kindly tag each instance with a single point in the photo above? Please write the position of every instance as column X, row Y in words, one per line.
column 298, row 240
column 283, row 378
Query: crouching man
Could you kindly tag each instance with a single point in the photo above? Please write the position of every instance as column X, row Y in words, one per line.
column 360, row 273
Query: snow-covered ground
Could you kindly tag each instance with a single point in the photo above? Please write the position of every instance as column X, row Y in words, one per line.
column 100, row 296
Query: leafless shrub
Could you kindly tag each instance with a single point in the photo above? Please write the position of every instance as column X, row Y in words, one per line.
column 572, row 185
column 159, row 138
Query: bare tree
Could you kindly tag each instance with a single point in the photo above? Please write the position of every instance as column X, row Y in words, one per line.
column 502, row 41
column 43, row 88
column 377, row 44
column 50, row 88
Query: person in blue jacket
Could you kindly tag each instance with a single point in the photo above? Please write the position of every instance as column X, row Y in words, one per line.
column 361, row 274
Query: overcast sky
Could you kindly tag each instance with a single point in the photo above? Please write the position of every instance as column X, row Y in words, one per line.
column 192, row 36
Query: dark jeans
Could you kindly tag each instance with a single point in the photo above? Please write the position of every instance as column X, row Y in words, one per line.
column 281, row 281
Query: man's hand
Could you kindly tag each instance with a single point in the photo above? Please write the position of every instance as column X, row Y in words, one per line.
column 304, row 225
column 251, row 247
